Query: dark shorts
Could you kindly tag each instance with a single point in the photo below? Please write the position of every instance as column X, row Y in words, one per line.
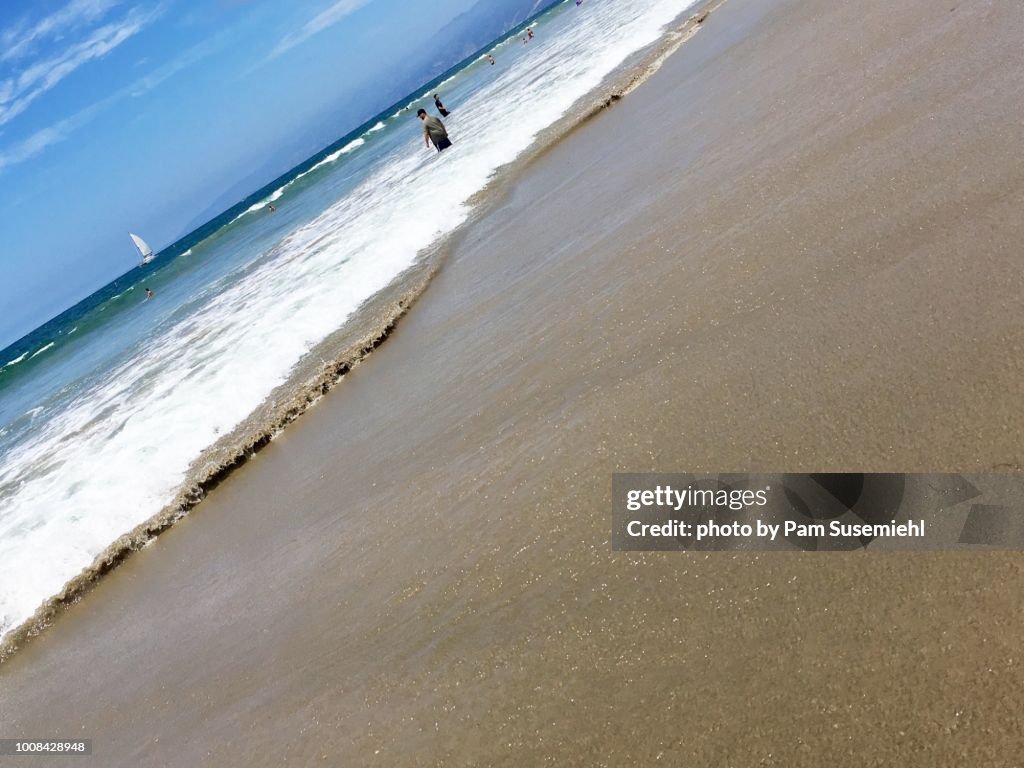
column 443, row 112
column 442, row 144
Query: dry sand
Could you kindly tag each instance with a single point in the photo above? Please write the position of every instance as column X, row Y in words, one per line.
column 797, row 247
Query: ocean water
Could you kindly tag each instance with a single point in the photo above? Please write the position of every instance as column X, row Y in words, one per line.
column 104, row 409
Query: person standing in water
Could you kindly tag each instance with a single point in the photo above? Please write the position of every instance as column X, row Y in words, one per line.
column 529, row 33
column 149, row 294
column 490, row 59
column 440, row 107
column 434, row 131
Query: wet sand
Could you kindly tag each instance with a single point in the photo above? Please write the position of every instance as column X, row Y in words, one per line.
column 796, row 247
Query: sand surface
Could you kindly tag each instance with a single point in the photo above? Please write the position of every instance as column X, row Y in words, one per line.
column 797, row 247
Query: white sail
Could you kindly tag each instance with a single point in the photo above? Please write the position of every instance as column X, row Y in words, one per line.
column 144, row 250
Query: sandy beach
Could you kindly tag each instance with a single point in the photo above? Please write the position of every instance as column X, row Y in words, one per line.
column 796, row 247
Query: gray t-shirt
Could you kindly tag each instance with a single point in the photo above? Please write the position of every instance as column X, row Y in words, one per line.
column 434, row 129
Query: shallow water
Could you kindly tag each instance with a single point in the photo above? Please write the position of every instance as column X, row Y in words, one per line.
column 103, row 412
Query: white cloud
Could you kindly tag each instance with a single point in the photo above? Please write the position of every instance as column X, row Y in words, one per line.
column 30, row 147
column 166, row 71
column 21, row 89
column 19, row 40
column 34, row 144
column 328, row 18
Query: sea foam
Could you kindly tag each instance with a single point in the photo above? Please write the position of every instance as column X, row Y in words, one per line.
column 119, row 451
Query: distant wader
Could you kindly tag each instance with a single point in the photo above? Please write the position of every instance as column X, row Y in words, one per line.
column 437, row 133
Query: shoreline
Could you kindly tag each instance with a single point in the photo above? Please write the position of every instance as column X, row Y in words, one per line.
column 370, row 327
column 806, row 261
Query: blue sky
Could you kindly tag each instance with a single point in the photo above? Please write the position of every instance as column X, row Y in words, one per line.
column 139, row 114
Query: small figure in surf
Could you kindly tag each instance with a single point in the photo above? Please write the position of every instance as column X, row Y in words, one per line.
column 440, row 107
column 434, row 131
column 271, row 208
column 149, row 294
column 529, row 33
column 490, row 59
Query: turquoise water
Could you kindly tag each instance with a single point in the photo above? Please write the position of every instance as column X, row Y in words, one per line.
column 104, row 409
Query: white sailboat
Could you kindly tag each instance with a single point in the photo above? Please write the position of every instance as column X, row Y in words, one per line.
column 145, row 252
